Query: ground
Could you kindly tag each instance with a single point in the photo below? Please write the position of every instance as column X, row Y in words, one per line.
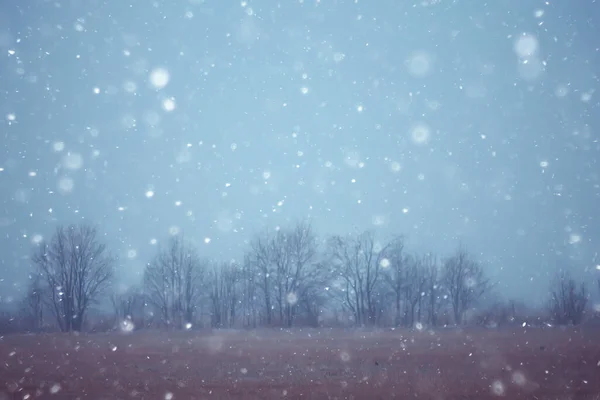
column 523, row 363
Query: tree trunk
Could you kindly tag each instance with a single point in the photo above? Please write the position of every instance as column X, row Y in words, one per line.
column 397, row 317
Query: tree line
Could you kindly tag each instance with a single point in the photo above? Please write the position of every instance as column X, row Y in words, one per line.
column 288, row 277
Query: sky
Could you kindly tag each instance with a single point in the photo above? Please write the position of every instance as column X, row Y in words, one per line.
column 447, row 121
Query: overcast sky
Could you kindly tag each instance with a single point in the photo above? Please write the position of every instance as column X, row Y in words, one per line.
column 447, row 121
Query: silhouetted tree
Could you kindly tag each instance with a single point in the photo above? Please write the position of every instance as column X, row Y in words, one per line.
column 414, row 290
column 224, row 294
column 465, row 282
column 34, row 303
column 128, row 305
column 567, row 300
column 249, row 297
column 433, row 288
column 172, row 283
column 76, row 268
column 292, row 251
column 394, row 266
column 358, row 261
column 314, row 292
column 282, row 261
column 258, row 262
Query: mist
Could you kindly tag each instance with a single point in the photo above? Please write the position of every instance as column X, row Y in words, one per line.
column 448, row 122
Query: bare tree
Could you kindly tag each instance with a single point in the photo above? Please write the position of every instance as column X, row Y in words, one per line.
column 258, row 262
column 567, row 301
column 433, row 288
column 34, row 303
column 465, row 281
column 414, row 289
column 224, row 294
column 413, row 281
column 279, row 249
column 358, row 260
column 128, row 305
column 314, row 292
column 172, row 283
column 76, row 268
column 281, row 262
column 292, row 251
column 249, row 294
column 393, row 267
column 194, row 276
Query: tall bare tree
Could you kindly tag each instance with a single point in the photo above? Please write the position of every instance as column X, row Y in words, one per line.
column 258, row 261
column 465, row 281
column 314, row 293
column 282, row 262
column 292, row 250
column 224, row 294
column 433, row 288
column 172, row 283
column 358, row 260
column 35, row 302
column 414, row 289
column 76, row 268
column 567, row 300
column 394, row 272
column 249, row 294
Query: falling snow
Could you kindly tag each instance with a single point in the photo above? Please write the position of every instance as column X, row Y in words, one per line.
column 159, row 78
column 308, row 197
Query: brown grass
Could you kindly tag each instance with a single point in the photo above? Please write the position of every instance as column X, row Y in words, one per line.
column 305, row 364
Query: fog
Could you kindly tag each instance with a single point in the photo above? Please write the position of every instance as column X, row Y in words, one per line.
column 449, row 122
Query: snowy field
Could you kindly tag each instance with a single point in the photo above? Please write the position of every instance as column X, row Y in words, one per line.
column 310, row 364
